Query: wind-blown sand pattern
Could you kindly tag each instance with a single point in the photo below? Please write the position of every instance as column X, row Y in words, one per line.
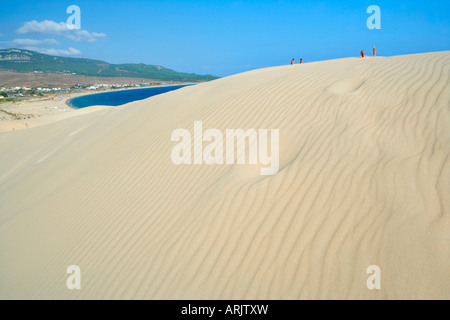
column 364, row 180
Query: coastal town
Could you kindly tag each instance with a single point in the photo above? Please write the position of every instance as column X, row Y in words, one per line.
column 15, row 93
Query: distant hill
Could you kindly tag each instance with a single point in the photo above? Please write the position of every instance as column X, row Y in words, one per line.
column 30, row 61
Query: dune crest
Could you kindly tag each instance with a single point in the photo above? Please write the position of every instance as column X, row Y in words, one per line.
column 363, row 180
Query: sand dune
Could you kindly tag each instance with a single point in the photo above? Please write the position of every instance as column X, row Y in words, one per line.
column 364, row 180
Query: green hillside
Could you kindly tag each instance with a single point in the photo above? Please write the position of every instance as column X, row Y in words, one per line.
column 29, row 61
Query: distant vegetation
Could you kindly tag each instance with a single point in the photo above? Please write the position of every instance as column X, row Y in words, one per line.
column 29, row 61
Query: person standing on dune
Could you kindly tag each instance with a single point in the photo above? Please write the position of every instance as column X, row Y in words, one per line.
column 292, row 62
column 374, row 51
column 362, row 54
column 301, row 61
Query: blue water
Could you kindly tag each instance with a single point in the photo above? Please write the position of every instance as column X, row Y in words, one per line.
column 118, row 98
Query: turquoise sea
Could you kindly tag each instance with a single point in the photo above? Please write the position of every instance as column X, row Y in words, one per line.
column 118, row 98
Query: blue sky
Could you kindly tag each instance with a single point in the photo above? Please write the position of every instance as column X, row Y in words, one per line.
column 224, row 37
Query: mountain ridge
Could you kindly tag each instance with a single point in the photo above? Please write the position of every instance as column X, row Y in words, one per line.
column 23, row 61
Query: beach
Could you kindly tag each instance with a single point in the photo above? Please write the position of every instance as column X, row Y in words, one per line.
column 363, row 180
column 27, row 113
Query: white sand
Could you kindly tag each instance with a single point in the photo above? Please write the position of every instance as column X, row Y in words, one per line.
column 34, row 112
column 364, row 180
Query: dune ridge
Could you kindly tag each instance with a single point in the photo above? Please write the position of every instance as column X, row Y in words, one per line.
column 364, row 180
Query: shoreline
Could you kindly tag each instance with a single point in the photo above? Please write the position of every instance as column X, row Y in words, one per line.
column 33, row 112
column 88, row 93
